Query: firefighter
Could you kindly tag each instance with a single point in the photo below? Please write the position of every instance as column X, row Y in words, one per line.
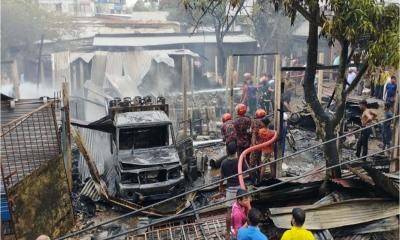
column 255, row 157
column 242, row 126
column 228, row 129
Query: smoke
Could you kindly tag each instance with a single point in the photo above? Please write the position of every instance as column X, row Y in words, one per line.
column 28, row 90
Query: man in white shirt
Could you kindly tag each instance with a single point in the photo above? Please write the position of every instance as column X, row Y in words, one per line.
column 351, row 75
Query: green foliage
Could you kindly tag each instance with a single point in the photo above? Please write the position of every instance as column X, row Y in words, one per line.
column 367, row 25
column 22, row 24
column 272, row 29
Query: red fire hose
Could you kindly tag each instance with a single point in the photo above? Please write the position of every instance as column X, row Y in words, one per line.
column 249, row 150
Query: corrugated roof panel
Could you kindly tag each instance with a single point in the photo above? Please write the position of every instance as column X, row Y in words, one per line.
column 98, row 145
column 144, row 41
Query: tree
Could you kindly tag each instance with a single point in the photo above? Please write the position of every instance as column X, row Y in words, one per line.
column 22, row 24
column 365, row 27
column 272, row 29
column 367, row 31
column 221, row 14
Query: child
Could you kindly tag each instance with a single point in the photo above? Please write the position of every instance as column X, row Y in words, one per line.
column 240, row 209
column 386, row 129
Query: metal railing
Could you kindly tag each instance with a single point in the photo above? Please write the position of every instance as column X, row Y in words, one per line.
column 28, row 142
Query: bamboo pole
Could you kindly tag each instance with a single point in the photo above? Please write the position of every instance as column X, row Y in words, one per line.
column 277, row 113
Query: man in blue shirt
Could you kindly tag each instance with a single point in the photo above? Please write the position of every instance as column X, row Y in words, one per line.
column 391, row 91
column 251, row 231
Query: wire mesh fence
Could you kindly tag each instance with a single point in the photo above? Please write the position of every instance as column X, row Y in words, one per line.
column 28, row 142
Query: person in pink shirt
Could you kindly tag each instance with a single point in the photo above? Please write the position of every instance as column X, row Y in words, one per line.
column 240, row 209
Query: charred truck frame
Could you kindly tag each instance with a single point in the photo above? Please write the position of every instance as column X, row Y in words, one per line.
column 145, row 150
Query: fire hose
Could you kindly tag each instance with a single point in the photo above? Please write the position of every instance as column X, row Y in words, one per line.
column 250, row 150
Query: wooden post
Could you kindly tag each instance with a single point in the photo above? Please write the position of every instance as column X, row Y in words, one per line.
column 237, row 70
column 258, row 69
column 39, row 62
column 277, row 107
column 67, row 122
column 192, row 77
column 320, row 77
column 216, row 68
column 395, row 155
column 74, row 80
column 15, row 79
column 81, row 74
column 184, row 79
column 254, row 67
column 229, row 83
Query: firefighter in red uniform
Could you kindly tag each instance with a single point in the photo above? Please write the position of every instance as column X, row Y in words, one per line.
column 255, row 157
column 228, row 129
column 242, row 126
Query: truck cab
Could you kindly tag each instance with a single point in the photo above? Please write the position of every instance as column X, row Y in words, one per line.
column 145, row 153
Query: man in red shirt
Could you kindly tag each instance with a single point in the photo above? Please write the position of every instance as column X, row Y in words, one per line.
column 242, row 126
column 240, row 209
column 265, row 135
column 228, row 129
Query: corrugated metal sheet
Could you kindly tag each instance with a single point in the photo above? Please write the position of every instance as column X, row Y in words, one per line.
column 98, row 145
column 349, row 212
column 145, row 117
column 90, row 191
column 323, row 235
column 22, row 107
column 164, row 39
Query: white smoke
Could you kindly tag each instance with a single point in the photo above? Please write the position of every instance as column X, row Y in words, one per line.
column 28, row 90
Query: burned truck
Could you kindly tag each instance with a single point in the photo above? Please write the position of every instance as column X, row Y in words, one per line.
column 148, row 160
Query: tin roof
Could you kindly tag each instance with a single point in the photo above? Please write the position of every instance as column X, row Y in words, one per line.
column 144, row 40
column 141, row 118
